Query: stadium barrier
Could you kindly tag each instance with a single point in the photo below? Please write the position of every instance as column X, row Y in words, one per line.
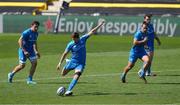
column 40, row 5
column 115, row 25
column 124, row 5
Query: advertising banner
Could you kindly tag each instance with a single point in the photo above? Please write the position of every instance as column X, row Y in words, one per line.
column 120, row 25
column 115, row 25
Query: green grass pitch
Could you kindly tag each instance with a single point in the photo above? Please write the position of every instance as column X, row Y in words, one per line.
column 100, row 82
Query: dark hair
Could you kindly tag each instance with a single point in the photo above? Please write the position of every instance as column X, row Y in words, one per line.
column 148, row 15
column 144, row 23
column 75, row 35
column 35, row 22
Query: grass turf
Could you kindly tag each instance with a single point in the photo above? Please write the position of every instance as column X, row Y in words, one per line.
column 100, row 83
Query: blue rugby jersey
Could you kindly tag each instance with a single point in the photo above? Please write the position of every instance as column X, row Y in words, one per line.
column 138, row 48
column 151, row 36
column 78, row 50
column 28, row 39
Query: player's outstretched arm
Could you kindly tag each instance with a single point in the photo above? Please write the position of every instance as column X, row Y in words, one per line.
column 61, row 60
column 96, row 28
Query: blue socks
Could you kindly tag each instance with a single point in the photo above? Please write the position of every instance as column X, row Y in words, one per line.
column 72, row 84
column 12, row 74
column 29, row 78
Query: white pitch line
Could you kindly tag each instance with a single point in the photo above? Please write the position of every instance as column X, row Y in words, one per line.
column 83, row 76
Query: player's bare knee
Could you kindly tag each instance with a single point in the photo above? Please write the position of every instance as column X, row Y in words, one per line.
column 77, row 75
column 147, row 60
column 21, row 66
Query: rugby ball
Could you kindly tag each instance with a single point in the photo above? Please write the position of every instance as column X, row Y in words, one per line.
column 60, row 91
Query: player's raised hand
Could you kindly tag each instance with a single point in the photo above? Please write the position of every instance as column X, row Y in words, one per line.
column 97, row 27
